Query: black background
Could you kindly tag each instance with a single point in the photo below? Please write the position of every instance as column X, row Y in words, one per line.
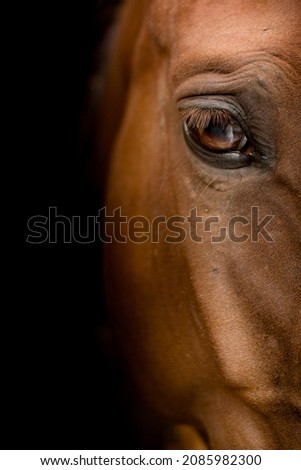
column 60, row 391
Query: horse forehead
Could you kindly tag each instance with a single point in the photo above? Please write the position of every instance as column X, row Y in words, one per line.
column 221, row 8
column 189, row 21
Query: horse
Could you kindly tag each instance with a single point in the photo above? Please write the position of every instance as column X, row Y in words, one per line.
column 199, row 141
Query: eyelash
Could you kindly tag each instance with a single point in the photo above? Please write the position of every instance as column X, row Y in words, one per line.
column 201, row 117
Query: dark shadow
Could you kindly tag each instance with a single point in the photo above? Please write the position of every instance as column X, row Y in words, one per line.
column 60, row 389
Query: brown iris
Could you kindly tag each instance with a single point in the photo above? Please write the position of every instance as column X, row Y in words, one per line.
column 220, row 137
column 215, row 130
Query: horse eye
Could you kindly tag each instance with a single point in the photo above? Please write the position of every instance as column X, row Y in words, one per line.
column 219, row 136
column 215, row 135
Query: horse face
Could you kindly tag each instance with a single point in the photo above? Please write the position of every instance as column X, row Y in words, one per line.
column 207, row 310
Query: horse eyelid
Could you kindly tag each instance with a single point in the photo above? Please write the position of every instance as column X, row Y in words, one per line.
column 201, row 117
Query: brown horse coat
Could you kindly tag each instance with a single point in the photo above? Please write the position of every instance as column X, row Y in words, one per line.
column 209, row 331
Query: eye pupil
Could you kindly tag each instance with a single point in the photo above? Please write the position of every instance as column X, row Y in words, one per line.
column 220, row 136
